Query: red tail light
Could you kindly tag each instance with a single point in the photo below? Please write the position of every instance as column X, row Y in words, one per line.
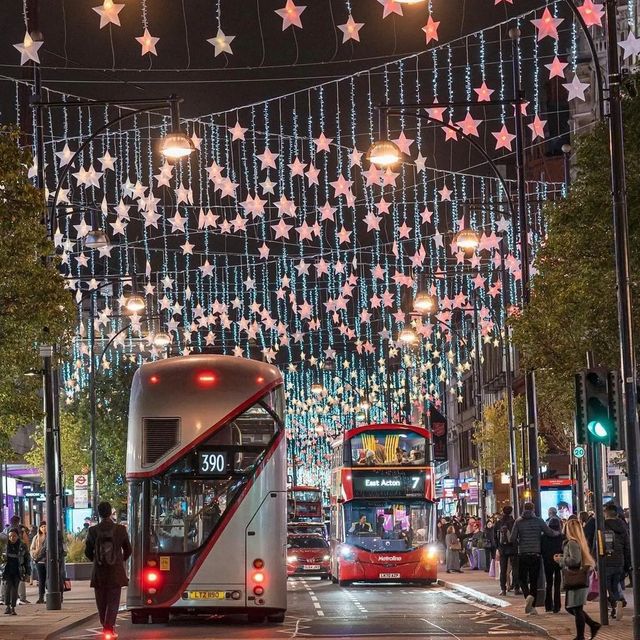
column 154, row 379
column 258, row 577
column 258, row 563
column 151, row 577
column 258, row 590
column 206, row 378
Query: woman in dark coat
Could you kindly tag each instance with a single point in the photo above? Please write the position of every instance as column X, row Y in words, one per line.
column 17, row 568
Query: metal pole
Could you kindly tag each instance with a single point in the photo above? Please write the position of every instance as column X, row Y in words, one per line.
column 477, row 379
column 506, row 347
column 627, row 354
column 92, row 409
column 596, row 473
column 580, row 483
column 530, row 389
column 51, row 460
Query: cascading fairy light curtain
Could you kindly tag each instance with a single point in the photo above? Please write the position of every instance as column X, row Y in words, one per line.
column 279, row 232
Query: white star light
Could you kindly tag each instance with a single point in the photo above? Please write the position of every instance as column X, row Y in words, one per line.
column 28, row 49
column 221, row 43
column 631, row 46
column 350, row 29
column 148, row 43
column 576, row 88
column 108, row 13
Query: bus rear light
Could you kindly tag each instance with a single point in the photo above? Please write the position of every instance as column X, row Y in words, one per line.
column 154, row 379
column 206, row 378
column 258, row 577
column 259, row 379
column 236, row 595
column 151, row 591
column 149, row 601
column 258, row 590
column 258, row 563
column 151, row 577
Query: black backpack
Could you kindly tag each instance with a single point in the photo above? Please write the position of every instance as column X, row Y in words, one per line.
column 105, row 555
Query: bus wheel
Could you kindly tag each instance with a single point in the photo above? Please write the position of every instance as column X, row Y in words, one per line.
column 277, row 618
column 333, row 579
column 344, row 583
column 139, row 618
column 256, row 617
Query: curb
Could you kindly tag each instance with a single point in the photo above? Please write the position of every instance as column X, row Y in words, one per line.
column 494, row 602
column 70, row 626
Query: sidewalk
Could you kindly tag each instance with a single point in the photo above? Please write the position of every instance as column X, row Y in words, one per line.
column 34, row 622
column 559, row 626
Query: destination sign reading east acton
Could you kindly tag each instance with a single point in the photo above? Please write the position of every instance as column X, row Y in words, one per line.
column 387, row 484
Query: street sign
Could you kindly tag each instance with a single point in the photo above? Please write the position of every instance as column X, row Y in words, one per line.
column 81, row 491
column 578, row 452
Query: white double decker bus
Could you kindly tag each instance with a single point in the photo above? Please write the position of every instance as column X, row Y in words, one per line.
column 206, row 467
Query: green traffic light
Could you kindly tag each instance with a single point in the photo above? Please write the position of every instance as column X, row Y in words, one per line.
column 598, row 430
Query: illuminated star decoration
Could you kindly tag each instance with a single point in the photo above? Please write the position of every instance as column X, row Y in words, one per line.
column 237, row 132
column 350, row 29
column 503, row 138
column 148, row 43
column 537, row 128
column 221, row 43
column 631, row 46
column 576, row 88
column 556, row 68
column 484, row 93
column 290, row 15
column 108, row 13
column 591, row 13
column 390, row 6
column 547, row 25
column 28, row 49
column 431, row 30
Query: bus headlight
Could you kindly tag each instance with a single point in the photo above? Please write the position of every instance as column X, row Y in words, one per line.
column 347, row 552
column 292, row 558
column 431, row 553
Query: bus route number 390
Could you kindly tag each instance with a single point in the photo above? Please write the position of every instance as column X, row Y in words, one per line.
column 212, row 462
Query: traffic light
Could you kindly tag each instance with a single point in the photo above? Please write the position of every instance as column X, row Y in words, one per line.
column 599, row 423
column 581, row 408
column 616, row 442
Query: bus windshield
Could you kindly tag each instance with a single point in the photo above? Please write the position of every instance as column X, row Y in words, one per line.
column 187, row 503
column 388, row 448
column 382, row 525
column 306, row 495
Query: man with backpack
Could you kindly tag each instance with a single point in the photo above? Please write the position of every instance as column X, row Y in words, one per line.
column 108, row 547
column 617, row 557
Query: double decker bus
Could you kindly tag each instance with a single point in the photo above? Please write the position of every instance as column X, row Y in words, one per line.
column 206, row 468
column 304, row 504
column 382, row 506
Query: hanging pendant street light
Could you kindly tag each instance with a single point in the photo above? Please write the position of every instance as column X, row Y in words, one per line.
column 96, row 239
column 176, row 144
column 468, row 240
column 425, row 303
column 317, row 388
column 161, row 339
column 408, row 335
column 384, row 153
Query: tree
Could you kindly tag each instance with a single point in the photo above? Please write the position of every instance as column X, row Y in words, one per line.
column 112, row 410
column 35, row 307
column 573, row 302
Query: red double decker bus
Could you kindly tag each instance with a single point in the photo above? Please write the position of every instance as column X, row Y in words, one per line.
column 304, row 504
column 382, row 506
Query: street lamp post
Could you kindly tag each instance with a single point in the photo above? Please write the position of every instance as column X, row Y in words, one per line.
column 175, row 145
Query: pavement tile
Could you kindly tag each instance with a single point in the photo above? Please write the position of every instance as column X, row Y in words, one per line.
column 557, row 626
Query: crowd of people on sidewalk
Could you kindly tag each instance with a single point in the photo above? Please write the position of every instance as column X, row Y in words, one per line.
column 23, row 561
column 537, row 558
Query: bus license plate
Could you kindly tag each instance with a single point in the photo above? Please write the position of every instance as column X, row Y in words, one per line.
column 389, row 575
column 206, row 595
column 312, row 567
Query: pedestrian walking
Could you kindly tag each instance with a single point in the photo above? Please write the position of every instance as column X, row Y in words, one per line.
column 617, row 553
column 16, row 569
column 506, row 548
column 39, row 556
column 553, row 576
column 453, row 546
column 23, row 534
column 108, row 547
column 576, row 555
column 526, row 535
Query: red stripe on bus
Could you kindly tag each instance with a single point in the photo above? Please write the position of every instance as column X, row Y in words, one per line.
column 210, row 431
column 202, row 556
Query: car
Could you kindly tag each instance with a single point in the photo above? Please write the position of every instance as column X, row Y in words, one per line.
column 308, row 555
